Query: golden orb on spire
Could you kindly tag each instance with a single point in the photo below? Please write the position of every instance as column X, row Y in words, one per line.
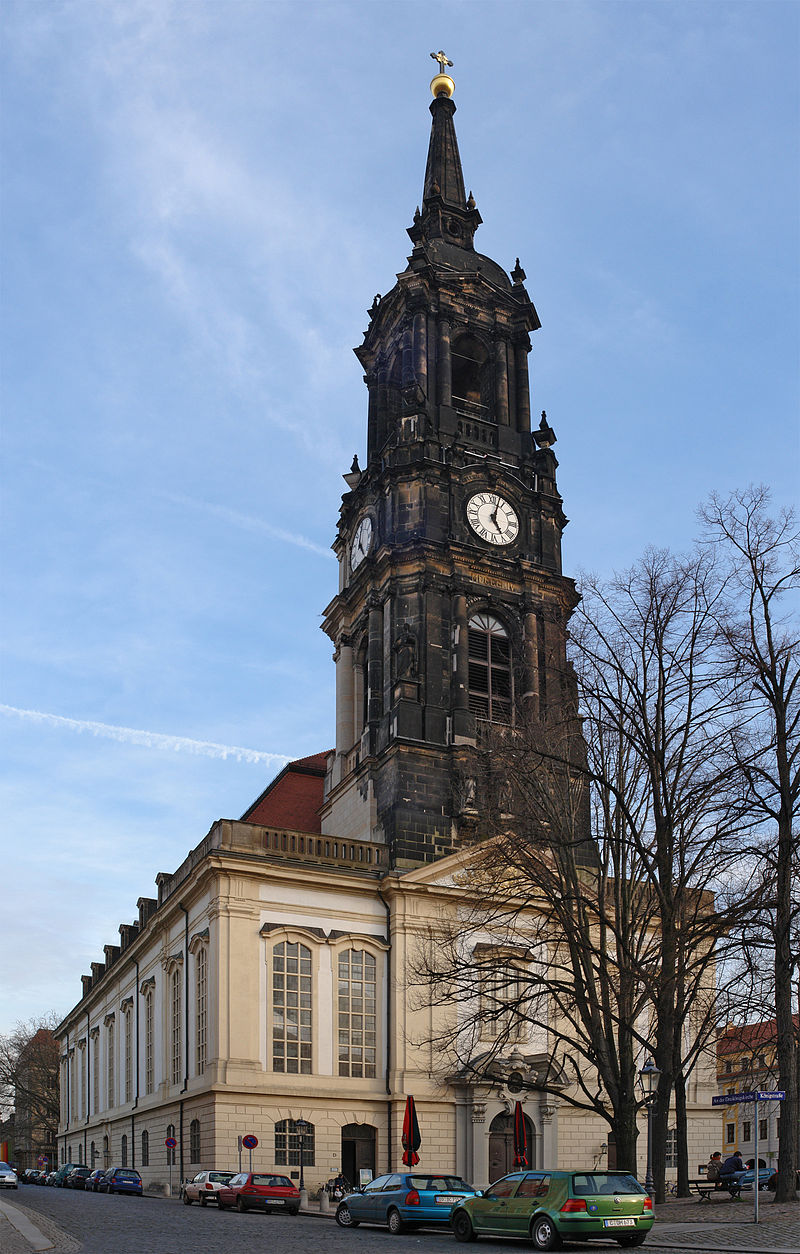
column 441, row 83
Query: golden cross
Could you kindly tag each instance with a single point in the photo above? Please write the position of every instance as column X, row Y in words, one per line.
column 442, row 59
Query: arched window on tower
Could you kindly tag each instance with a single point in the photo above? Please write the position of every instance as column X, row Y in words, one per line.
column 471, row 376
column 490, row 675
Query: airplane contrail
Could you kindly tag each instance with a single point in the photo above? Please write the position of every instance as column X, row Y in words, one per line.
column 147, row 739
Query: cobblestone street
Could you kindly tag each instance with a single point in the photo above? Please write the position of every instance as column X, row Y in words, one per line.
column 77, row 1223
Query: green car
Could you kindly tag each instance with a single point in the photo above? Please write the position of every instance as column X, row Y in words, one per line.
column 550, row 1206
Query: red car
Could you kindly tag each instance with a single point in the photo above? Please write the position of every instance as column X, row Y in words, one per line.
column 254, row 1190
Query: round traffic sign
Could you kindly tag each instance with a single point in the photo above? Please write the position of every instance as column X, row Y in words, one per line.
column 249, row 1142
column 170, row 1142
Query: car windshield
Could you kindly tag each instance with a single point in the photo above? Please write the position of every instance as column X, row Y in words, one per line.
column 275, row 1182
column 437, row 1184
column 220, row 1177
column 127, row 1175
column 606, row 1182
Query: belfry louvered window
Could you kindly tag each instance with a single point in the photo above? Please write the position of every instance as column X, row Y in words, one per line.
column 490, row 682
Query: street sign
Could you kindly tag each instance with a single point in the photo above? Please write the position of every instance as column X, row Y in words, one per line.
column 732, row 1099
column 250, row 1142
column 170, row 1142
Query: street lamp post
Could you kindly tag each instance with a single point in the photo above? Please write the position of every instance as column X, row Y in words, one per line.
column 301, row 1127
column 648, row 1080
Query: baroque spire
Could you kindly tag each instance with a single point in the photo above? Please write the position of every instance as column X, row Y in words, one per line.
column 446, row 212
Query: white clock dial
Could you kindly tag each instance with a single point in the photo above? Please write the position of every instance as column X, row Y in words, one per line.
column 362, row 542
column 492, row 518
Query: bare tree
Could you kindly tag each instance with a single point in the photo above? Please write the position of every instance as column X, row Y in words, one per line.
column 29, row 1083
column 607, row 853
column 761, row 637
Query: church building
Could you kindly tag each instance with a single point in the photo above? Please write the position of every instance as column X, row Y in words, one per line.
column 264, row 989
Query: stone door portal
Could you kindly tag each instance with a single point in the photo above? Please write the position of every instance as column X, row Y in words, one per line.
column 501, row 1146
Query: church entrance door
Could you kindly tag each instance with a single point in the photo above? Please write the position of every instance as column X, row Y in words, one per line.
column 358, row 1150
column 501, row 1146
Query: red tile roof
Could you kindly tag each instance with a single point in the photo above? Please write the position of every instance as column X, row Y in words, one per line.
column 294, row 797
column 737, row 1037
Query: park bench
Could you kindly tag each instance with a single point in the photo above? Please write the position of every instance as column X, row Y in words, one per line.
column 706, row 1188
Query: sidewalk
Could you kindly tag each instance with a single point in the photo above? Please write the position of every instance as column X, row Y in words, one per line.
column 687, row 1224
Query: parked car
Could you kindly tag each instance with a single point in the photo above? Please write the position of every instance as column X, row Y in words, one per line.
column 50, row 1178
column 8, row 1177
column 404, row 1200
column 745, row 1179
column 255, row 1190
column 94, row 1179
column 121, row 1180
column 549, row 1207
column 205, row 1186
column 60, row 1175
column 29, row 1175
column 77, row 1178
column 772, row 1183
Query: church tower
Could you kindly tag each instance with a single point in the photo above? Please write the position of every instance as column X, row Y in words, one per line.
column 452, row 608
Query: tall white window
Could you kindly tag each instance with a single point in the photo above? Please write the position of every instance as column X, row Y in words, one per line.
column 177, row 1020
column 201, row 1010
column 501, row 991
column 110, row 1096
column 291, row 1008
column 96, row 1071
column 128, row 1055
column 357, row 1022
column 148, row 1042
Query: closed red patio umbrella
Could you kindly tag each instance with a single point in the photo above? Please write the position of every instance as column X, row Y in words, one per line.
column 411, row 1137
column 520, row 1137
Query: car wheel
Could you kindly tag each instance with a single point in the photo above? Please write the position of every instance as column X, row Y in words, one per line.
column 187, row 1201
column 221, row 1206
column 634, row 1239
column 293, row 1212
column 240, row 1206
column 343, row 1217
column 462, row 1227
column 544, row 1234
column 394, row 1223
column 202, row 1201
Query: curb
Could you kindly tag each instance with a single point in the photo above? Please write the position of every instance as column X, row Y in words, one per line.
column 27, row 1230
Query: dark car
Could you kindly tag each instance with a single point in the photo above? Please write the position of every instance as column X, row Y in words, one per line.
column 94, row 1179
column 121, row 1180
column 77, row 1178
column 60, row 1175
column 256, row 1190
column 548, row 1207
column 404, row 1200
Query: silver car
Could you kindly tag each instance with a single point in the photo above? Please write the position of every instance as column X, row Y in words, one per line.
column 205, row 1186
column 8, row 1177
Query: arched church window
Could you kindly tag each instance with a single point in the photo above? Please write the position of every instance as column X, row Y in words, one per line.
column 470, row 367
column 490, row 677
column 357, row 1013
column 291, row 1008
column 194, row 1141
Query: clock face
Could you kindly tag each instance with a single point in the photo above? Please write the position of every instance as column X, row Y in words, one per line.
column 492, row 518
column 362, row 542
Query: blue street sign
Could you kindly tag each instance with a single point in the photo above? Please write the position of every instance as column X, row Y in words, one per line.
column 732, row 1099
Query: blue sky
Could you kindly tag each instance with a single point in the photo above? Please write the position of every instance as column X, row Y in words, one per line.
column 199, row 202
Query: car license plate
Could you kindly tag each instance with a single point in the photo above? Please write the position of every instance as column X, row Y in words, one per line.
column 619, row 1223
column 275, row 1201
column 445, row 1199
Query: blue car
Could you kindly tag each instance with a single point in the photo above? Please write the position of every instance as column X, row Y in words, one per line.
column 404, row 1201
column 745, row 1179
column 121, row 1180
